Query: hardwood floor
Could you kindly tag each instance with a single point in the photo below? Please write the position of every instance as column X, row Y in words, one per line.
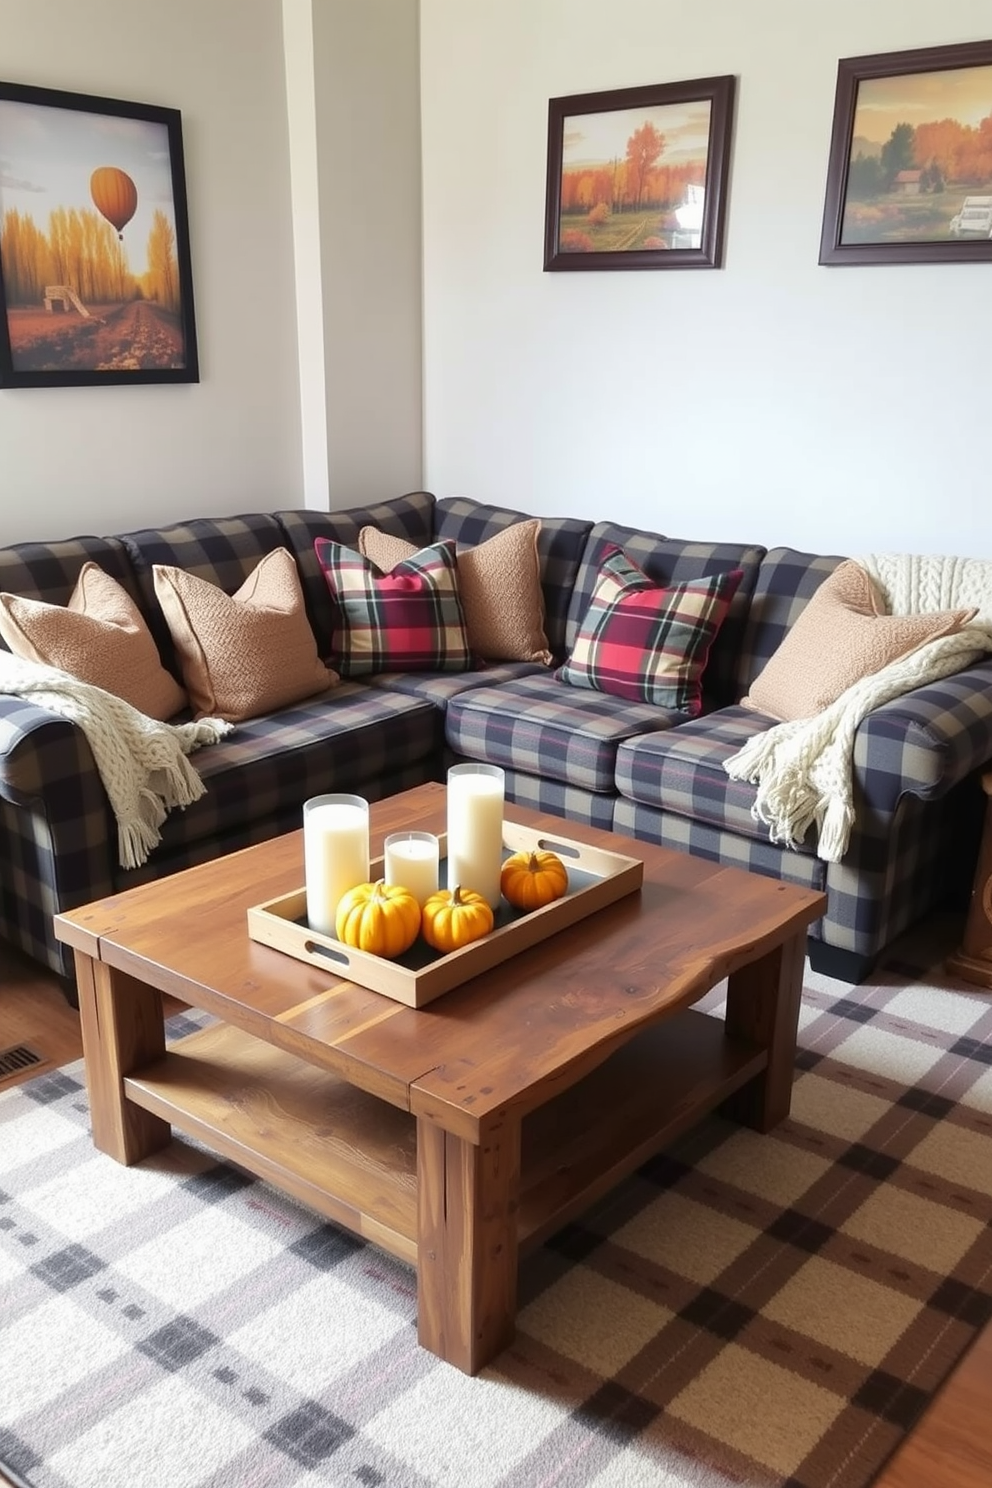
column 951, row 1448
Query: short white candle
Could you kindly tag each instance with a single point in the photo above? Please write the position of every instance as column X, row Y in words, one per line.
column 412, row 861
column 336, row 854
column 475, row 829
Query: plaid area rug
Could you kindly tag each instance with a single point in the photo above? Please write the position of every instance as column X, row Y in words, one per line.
column 749, row 1310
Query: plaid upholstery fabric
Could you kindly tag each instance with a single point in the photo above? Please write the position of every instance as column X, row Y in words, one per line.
column 357, row 739
column 648, row 644
column 48, row 571
column 440, row 688
column 680, row 771
column 668, row 561
column 410, row 517
column 559, row 545
column 900, row 867
column 704, row 841
column 222, row 550
column 539, row 726
column 927, row 740
column 786, row 581
column 57, row 834
column 408, row 620
column 568, row 801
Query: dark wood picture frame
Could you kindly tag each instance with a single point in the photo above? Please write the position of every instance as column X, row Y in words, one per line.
column 865, row 219
column 682, row 227
column 88, row 184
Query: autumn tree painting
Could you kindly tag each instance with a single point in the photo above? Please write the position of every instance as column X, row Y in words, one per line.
column 921, row 158
column 91, row 263
column 638, row 172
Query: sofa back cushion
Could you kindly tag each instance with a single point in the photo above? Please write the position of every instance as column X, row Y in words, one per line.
column 220, row 550
column 668, row 562
column 787, row 579
column 50, row 571
column 560, row 545
column 410, row 516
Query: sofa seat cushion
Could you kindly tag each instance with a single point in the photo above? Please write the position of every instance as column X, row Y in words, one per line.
column 440, row 687
column 539, row 726
column 680, row 771
column 347, row 739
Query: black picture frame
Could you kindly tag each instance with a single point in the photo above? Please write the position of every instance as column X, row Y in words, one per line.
column 85, row 183
column 876, row 212
column 682, row 224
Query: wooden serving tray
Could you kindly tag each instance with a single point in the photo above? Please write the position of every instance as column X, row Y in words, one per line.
column 596, row 878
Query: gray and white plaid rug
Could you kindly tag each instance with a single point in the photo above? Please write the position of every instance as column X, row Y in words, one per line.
column 774, row 1311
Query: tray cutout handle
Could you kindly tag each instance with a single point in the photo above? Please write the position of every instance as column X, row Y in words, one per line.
column 563, row 849
column 316, row 948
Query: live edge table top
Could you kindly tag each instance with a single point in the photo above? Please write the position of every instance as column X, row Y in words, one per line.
column 502, row 1040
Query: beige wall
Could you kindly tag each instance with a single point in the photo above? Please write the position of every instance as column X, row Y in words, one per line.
column 302, row 166
column 106, row 459
column 844, row 409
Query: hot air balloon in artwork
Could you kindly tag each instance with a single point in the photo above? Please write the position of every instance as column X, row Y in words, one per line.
column 115, row 196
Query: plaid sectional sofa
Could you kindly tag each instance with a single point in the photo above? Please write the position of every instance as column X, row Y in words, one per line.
column 584, row 755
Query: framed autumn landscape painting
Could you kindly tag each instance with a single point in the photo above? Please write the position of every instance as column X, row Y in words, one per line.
column 910, row 172
column 95, row 277
column 637, row 177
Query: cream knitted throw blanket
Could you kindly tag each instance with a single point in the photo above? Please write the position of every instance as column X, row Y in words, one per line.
column 803, row 769
column 142, row 762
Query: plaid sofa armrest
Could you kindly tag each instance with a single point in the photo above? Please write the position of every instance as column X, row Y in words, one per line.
column 57, row 832
column 926, row 741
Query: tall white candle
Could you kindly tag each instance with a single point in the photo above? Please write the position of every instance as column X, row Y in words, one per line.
column 475, row 829
column 412, row 861
column 336, row 854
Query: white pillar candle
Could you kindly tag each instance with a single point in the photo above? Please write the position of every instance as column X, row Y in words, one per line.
column 475, row 829
column 412, row 862
column 336, row 854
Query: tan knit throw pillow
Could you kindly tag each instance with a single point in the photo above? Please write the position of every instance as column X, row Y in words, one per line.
column 100, row 637
column 842, row 635
column 500, row 586
column 246, row 653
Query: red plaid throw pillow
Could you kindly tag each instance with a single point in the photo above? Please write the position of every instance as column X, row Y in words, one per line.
column 647, row 644
column 408, row 620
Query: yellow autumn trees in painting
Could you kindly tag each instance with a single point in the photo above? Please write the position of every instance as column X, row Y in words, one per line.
column 82, row 252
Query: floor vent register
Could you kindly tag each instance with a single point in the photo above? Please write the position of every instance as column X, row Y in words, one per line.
column 12, row 1061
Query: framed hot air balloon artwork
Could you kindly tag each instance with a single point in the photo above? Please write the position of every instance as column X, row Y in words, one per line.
column 95, row 275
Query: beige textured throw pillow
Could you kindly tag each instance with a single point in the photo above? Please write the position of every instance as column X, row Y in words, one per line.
column 246, row 653
column 842, row 635
column 500, row 586
column 100, row 637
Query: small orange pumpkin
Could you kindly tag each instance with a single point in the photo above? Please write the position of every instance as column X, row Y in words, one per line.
column 381, row 918
column 455, row 917
column 529, row 880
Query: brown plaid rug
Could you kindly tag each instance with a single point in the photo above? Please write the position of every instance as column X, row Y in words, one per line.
column 771, row 1311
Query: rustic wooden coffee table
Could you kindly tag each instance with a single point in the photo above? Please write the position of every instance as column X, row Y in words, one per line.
column 456, row 1134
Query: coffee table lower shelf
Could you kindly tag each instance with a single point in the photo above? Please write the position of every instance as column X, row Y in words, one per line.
column 353, row 1157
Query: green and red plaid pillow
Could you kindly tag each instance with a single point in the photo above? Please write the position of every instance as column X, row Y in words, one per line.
column 408, row 620
column 645, row 643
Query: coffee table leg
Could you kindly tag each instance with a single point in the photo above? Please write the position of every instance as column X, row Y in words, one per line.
column 763, row 1007
column 123, row 1028
column 467, row 1199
